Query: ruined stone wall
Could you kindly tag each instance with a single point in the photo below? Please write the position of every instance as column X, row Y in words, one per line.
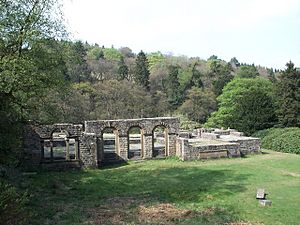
column 249, row 146
column 90, row 141
column 190, row 152
column 34, row 137
column 147, row 126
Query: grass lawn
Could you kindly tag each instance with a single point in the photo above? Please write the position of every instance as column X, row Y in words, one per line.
column 171, row 192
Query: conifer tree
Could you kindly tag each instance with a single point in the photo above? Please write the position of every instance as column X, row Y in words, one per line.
column 141, row 73
column 122, row 70
column 173, row 87
column 288, row 97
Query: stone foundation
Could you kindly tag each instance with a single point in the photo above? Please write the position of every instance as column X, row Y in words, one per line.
column 216, row 144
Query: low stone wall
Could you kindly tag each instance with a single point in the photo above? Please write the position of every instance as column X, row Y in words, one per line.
column 187, row 151
column 248, row 145
column 217, row 143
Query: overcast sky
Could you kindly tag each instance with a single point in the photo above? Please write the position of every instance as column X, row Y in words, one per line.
column 264, row 32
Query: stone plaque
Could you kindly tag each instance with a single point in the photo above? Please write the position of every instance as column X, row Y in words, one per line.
column 260, row 194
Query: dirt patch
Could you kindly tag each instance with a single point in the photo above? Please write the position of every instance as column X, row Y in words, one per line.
column 116, row 210
column 131, row 210
column 162, row 214
column 243, row 223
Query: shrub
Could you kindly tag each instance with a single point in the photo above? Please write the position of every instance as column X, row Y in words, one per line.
column 281, row 139
column 245, row 105
column 12, row 204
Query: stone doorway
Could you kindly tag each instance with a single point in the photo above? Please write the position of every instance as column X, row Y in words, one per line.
column 160, row 142
column 135, row 143
column 110, row 145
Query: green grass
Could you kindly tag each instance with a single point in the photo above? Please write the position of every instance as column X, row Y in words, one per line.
column 214, row 192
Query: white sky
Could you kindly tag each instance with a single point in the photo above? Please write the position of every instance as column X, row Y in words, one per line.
column 264, row 32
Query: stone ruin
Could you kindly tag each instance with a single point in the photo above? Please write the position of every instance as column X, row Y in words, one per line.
column 102, row 142
column 215, row 143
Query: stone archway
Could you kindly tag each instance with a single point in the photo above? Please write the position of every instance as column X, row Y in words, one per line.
column 160, row 141
column 135, row 142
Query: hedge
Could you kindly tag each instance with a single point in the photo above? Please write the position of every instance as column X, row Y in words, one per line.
column 280, row 139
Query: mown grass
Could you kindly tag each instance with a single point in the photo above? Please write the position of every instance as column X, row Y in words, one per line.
column 215, row 192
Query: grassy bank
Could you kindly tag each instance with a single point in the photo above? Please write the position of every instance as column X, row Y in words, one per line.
column 171, row 192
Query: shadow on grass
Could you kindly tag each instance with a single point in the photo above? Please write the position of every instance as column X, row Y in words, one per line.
column 155, row 181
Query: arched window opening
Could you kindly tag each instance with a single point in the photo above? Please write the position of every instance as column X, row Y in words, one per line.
column 60, row 147
column 135, row 143
column 110, row 143
column 160, row 142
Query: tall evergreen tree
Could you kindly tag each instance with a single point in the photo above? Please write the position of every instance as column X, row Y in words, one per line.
column 288, row 95
column 122, row 70
column 141, row 73
column 173, row 87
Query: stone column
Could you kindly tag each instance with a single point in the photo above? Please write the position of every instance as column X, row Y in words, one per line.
column 88, row 150
column 167, row 153
column 142, row 144
column 51, row 150
column 100, row 150
column 172, row 145
column 123, row 147
column 67, row 149
column 76, row 149
column 148, row 146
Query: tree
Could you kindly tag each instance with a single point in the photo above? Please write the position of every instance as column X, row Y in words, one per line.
column 173, row 87
column 122, row 70
column 141, row 73
column 199, row 105
column 234, row 62
column 196, row 77
column 247, row 72
column 78, row 70
column 121, row 99
column 288, row 95
column 95, row 53
column 112, row 54
column 223, row 77
column 245, row 104
column 126, row 52
column 30, row 63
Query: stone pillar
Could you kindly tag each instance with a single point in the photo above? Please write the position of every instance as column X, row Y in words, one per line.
column 76, row 149
column 67, row 149
column 172, row 145
column 100, row 150
column 117, row 142
column 88, row 150
column 166, row 142
column 123, row 147
column 148, row 146
column 142, row 144
column 51, row 150
column 185, row 149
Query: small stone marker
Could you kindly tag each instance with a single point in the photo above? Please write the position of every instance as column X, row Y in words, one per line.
column 265, row 202
column 261, row 194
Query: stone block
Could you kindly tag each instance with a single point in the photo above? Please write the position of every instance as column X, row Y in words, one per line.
column 265, row 202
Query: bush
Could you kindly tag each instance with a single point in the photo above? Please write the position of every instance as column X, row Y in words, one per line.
column 12, row 204
column 246, row 105
column 281, row 139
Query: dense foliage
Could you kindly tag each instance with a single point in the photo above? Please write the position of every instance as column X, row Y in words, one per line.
column 12, row 204
column 246, row 105
column 30, row 63
column 280, row 139
column 288, row 95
